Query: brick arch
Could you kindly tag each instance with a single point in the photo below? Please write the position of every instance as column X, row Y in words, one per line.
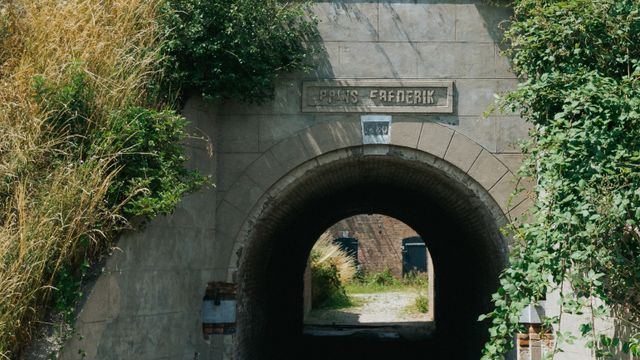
column 444, row 183
column 329, row 141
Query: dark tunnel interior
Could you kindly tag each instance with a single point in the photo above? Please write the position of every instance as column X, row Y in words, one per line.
column 439, row 202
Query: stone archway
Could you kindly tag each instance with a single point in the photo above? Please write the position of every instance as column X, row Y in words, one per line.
column 429, row 194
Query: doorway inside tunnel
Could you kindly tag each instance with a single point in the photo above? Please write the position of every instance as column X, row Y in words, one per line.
column 456, row 217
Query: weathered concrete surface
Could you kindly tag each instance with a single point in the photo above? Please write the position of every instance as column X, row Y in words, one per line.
column 146, row 305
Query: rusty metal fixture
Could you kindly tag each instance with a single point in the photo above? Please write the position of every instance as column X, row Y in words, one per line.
column 219, row 309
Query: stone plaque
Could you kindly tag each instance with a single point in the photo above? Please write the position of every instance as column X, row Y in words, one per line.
column 376, row 129
column 381, row 96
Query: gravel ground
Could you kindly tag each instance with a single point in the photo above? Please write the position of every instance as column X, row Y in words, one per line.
column 387, row 307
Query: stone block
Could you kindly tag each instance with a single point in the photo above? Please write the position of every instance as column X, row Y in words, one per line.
column 291, row 152
column 487, row 170
column 511, row 130
column 377, row 60
column 229, row 219
column 332, row 135
column 244, row 193
column 84, row 343
column 456, row 60
column 201, row 159
column 276, row 128
column 265, row 171
column 146, row 337
column 435, row 139
column 462, row 152
column 475, row 96
column 504, row 192
column 220, row 197
column 195, row 104
column 347, row 21
column 217, row 248
column 479, row 129
column 193, row 210
column 521, row 214
column 230, row 166
column 406, row 133
column 238, row 134
column 145, row 293
column 167, row 252
column 503, row 65
column 423, row 21
column 96, row 308
column 476, row 22
column 511, row 161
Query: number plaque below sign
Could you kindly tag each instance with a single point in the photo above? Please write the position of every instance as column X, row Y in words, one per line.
column 376, row 129
column 381, row 96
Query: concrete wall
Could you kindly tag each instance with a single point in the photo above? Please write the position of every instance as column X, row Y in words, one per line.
column 146, row 304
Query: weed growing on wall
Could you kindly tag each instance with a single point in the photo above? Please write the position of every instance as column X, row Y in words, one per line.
column 579, row 62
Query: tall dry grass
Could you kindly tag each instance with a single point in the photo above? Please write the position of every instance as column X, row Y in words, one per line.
column 325, row 251
column 51, row 210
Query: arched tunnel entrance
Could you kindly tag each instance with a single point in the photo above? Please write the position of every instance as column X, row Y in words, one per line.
column 446, row 207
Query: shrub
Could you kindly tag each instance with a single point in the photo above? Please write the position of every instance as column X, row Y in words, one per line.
column 152, row 176
column 382, row 278
column 326, row 251
column 579, row 61
column 331, row 267
column 416, row 278
column 422, row 304
column 327, row 291
column 233, row 49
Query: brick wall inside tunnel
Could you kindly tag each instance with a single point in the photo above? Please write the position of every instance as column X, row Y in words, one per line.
column 379, row 240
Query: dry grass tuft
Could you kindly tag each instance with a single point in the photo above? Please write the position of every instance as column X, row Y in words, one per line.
column 325, row 251
column 53, row 212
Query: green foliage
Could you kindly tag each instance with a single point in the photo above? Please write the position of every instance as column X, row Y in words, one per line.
column 144, row 144
column 385, row 281
column 383, row 278
column 327, row 291
column 234, row 48
column 67, row 106
column 152, row 177
column 579, row 62
column 67, row 291
column 422, row 304
column 416, row 279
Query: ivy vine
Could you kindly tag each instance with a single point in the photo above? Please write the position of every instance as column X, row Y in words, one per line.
column 579, row 65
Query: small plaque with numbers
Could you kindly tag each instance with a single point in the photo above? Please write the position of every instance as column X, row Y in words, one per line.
column 376, row 129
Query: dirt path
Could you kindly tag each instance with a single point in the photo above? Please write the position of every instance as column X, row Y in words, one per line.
column 386, row 307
